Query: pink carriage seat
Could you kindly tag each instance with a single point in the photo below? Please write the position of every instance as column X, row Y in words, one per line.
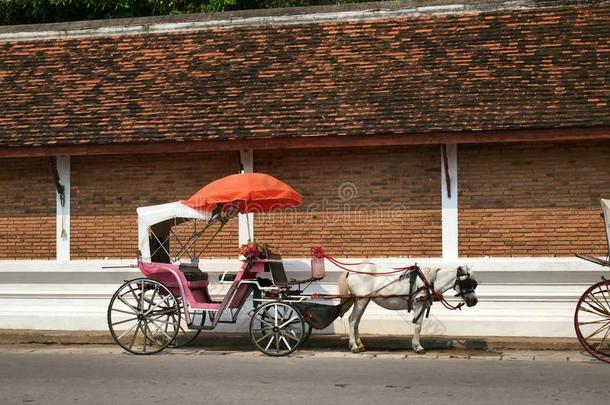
column 194, row 276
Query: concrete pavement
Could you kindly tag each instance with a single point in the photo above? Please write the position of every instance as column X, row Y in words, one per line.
column 327, row 341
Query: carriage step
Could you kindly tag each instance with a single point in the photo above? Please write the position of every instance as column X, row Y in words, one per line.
column 201, row 327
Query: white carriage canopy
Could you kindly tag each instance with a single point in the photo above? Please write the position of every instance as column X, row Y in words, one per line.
column 154, row 226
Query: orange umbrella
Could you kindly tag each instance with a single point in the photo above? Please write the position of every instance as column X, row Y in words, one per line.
column 252, row 192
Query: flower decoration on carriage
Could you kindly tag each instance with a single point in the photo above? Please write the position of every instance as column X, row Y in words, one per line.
column 253, row 250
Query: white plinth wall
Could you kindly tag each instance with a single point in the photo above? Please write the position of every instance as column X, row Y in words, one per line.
column 517, row 297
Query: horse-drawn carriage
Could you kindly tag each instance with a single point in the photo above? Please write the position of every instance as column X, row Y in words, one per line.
column 171, row 305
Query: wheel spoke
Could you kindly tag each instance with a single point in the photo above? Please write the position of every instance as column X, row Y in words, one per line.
column 159, row 329
column 601, row 344
column 133, row 338
column 288, row 322
column 162, row 312
column 127, row 331
column 606, row 325
column 261, row 329
column 133, row 293
column 589, row 311
column 286, row 343
column 599, row 306
column 269, row 343
column 591, row 322
column 603, row 294
column 145, row 337
column 152, row 299
column 157, row 305
column 124, row 312
column 159, row 320
column 134, row 309
column 126, row 320
column 264, row 321
column 291, row 337
column 263, row 337
column 146, row 331
column 142, row 295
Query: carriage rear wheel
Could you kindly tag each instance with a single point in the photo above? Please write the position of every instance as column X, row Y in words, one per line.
column 277, row 329
column 592, row 320
column 143, row 316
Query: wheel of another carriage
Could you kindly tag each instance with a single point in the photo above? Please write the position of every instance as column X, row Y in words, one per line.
column 185, row 335
column 277, row 329
column 143, row 316
column 592, row 320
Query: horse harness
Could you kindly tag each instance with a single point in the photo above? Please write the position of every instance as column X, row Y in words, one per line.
column 463, row 281
column 430, row 294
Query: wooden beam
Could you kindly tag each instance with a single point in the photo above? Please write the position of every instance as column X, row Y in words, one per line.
column 419, row 138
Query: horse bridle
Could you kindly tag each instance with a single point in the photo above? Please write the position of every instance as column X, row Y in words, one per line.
column 465, row 283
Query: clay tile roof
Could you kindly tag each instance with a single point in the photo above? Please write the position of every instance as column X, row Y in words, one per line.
column 394, row 68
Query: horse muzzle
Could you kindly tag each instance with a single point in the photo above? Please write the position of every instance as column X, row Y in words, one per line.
column 470, row 299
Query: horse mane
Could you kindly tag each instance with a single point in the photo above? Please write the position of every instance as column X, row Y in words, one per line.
column 431, row 274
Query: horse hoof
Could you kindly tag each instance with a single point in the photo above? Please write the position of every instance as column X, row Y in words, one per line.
column 420, row 350
column 361, row 349
column 355, row 350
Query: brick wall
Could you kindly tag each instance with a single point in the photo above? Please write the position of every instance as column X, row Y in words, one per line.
column 27, row 209
column 106, row 190
column 532, row 200
column 357, row 202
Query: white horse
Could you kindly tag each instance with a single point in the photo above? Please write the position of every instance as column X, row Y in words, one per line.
column 392, row 293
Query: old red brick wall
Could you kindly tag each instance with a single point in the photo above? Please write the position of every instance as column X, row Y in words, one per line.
column 106, row 190
column 27, row 209
column 357, row 202
column 532, row 199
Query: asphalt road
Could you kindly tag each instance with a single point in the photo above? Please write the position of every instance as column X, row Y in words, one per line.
column 111, row 377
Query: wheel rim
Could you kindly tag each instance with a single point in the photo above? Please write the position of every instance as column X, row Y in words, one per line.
column 592, row 320
column 277, row 329
column 185, row 336
column 143, row 316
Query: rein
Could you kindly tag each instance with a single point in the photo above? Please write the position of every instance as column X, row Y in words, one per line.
column 319, row 253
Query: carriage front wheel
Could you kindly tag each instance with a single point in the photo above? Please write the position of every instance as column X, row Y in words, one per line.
column 592, row 320
column 277, row 329
column 143, row 316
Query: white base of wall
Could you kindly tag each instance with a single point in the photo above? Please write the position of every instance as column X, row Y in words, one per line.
column 517, row 297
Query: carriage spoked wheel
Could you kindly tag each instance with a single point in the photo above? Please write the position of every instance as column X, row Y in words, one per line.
column 592, row 320
column 143, row 316
column 185, row 335
column 277, row 329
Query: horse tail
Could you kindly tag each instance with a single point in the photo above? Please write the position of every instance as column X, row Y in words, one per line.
column 346, row 303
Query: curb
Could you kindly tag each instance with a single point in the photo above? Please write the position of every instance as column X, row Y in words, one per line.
column 237, row 341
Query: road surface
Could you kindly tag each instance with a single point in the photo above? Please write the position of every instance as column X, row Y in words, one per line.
column 86, row 375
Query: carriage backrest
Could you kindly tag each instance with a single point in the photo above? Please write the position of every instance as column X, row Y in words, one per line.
column 276, row 267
